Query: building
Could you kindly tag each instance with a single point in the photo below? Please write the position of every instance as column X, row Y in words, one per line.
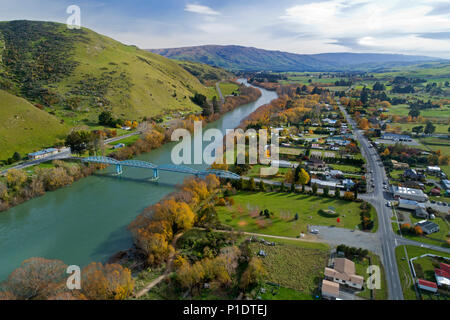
column 283, row 164
column 315, row 163
column 399, row 165
column 348, row 184
column 343, row 273
column 330, row 290
column 428, row 227
column 42, row 153
column 443, row 275
column 323, row 184
column 433, row 169
column 427, row 285
column 409, row 194
column 409, row 204
column 421, row 213
column 412, row 174
column 118, row 146
column 446, row 184
column 396, row 137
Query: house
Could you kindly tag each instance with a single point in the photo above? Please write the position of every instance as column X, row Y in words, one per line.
column 428, row 227
column 325, row 184
column 427, row 285
column 344, row 273
column 412, row 174
column 330, row 290
column 409, row 193
column 446, row 184
column 283, row 164
column 410, row 204
column 42, row 153
column 396, row 137
column 421, row 213
column 399, row 165
column 435, row 192
column 119, row 145
column 442, row 275
column 348, row 184
column 315, row 163
column 433, row 169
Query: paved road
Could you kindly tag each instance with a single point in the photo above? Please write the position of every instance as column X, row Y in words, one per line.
column 65, row 153
column 378, row 199
column 222, row 99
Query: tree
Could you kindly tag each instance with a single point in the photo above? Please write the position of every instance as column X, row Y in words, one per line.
column 106, row 282
column 326, row 191
column 79, row 141
column 261, row 185
column 292, row 187
column 16, row 156
column 216, row 105
column 15, row 178
column 304, row 177
column 252, row 185
column 314, row 188
column 105, row 119
column 296, row 217
column 282, row 187
column 417, row 130
column 254, row 273
column 36, row 279
column 429, row 128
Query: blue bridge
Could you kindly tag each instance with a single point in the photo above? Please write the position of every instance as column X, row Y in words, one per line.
column 156, row 168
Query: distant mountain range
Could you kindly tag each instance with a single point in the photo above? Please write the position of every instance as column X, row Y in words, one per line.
column 253, row 59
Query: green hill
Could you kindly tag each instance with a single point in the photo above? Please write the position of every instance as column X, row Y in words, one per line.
column 253, row 59
column 25, row 128
column 204, row 72
column 76, row 74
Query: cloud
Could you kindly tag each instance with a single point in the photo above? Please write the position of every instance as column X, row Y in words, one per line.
column 196, row 8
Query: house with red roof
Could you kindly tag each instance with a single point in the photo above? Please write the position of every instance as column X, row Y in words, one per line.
column 443, row 275
column 427, row 285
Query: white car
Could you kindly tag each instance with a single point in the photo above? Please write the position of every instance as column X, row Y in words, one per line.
column 314, row 231
column 389, row 204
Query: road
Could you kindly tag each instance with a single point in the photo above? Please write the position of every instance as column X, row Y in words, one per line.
column 64, row 154
column 222, row 99
column 378, row 199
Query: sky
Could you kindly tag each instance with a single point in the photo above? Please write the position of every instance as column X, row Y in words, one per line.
column 419, row 27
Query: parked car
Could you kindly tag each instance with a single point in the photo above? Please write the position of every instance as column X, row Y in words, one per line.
column 314, row 231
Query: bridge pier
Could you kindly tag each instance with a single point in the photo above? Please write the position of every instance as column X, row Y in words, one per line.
column 119, row 169
column 155, row 174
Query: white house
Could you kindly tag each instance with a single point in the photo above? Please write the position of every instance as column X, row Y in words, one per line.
column 344, row 273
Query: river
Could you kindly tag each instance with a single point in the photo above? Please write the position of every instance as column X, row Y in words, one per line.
column 88, row 220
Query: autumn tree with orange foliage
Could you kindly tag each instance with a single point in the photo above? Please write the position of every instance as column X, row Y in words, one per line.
column 106, row 282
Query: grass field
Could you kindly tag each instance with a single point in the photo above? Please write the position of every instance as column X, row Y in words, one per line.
column 403, row 110
column 254, row 172
column 25, row 128
column 228, row 88
column 406, row 279
column 346, row 168
column 361, row 269
column 297, row 268
column 244, row 214
column 440, row 128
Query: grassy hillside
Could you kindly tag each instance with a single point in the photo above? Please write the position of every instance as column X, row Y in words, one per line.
column 76, row 74
column 204, row 72
column 25, row 128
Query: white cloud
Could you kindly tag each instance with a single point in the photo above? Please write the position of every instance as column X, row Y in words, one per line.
column 196, row 8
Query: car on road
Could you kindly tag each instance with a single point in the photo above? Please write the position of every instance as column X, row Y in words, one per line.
column 314, row 231
column 433, row 202
column 388, row 204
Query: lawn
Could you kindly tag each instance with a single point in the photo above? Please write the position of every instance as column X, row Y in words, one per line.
column 291, row 151
column 244, row 214
column 361, row 269
column 404, row 270
column 440, row 128
column 254, row 172
column 346, row 168
column 403, row 110
column 298, row 267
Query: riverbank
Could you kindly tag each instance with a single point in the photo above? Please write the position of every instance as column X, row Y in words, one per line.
column 88, row 220
column 20, row 186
